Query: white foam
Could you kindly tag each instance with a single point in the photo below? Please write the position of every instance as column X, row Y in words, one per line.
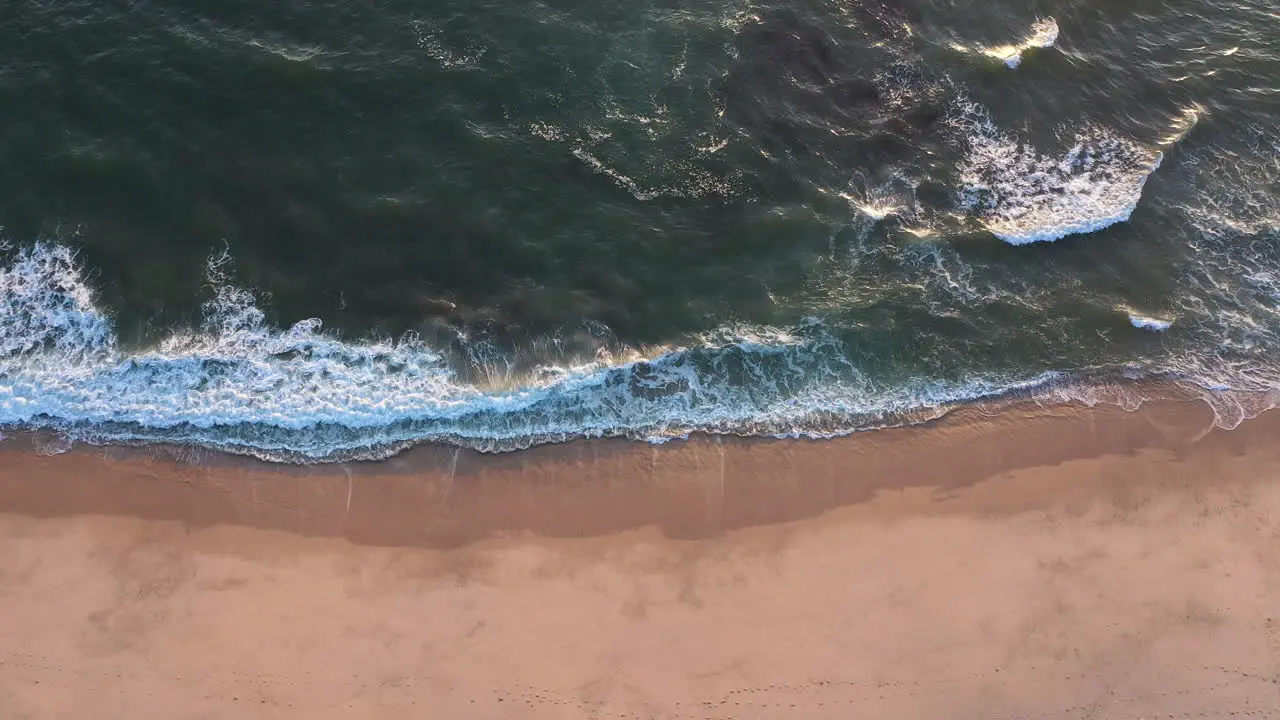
column 1234, row 185
column 300, row 395
column 45, row 305
column 1144, row 322
column 450, row 58
column 56, row 444
column 627, row 183
column 237, row 384
column 1023, row 196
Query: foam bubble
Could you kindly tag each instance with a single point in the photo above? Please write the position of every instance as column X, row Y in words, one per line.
column 1023, row 196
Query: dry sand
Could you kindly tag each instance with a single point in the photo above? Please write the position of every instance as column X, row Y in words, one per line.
column 1060, row 563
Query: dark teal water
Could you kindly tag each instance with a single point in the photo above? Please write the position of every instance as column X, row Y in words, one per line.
column 529, row 222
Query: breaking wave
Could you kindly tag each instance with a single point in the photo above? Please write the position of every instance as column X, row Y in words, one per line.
column 1042, row 34
column 1144, row 322
column 302, row 395
column 1023, row 196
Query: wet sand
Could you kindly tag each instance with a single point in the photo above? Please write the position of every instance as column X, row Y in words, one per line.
column 1047, row 563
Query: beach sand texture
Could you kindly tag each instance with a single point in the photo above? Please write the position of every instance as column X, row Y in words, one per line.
column 1064, row 563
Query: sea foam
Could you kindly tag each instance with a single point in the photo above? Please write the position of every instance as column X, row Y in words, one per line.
column 302, row 395
column 1143, row 322
column 1023, row 196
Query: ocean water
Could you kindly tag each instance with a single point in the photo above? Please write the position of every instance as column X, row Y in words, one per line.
column 321, row 230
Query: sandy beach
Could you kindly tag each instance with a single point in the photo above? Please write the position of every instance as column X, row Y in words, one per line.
column 1029, row 563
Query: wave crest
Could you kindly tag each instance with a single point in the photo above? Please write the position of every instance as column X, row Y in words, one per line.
column 1042, row 34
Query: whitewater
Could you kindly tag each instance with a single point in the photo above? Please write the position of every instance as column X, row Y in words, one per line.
column 302, row 395
column 1023, row 196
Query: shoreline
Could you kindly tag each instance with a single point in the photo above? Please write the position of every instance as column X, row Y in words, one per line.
column 387, row 438
column 690, row 488
column 471, row 495
column 1058, row 562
